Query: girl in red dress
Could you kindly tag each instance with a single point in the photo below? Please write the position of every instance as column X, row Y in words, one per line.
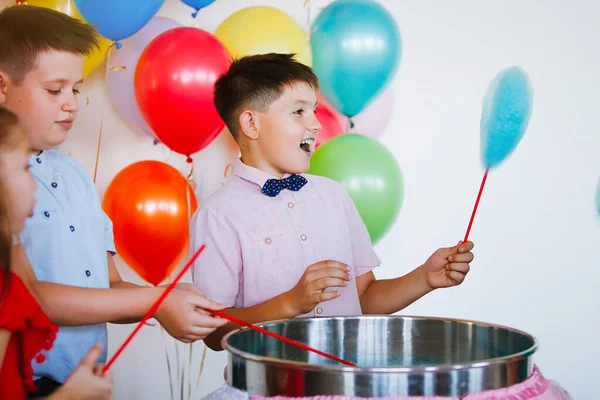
column 25, row 330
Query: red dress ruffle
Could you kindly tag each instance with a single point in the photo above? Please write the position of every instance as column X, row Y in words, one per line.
column 32, row 333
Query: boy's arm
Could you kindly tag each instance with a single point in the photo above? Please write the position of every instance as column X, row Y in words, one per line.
column 168, row 313
column 446, row 267
column 116, row 282
column 270, row 310
column 388, row 296
column 383, row 296
column 301, row 299
column 76, row 306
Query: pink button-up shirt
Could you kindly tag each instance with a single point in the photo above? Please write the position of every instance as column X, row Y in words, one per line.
column 258, row 247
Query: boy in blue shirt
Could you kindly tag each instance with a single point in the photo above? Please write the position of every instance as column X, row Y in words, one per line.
column 69, row 239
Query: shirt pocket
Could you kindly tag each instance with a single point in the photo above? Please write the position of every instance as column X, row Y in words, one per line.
column 269, row 248
column 273, row 267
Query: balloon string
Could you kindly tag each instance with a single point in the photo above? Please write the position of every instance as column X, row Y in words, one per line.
column 476, row 205
column 189, row 388
column 201, row 367
column 182, row 370
column 108, row 53
column 162, row 330
column 307, row 6
column 190, row 175
column 188, row 202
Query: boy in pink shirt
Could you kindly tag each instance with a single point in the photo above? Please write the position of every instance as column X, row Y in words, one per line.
column 280, row 243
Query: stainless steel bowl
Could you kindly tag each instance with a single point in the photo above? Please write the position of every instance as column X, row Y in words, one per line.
column 397, row 356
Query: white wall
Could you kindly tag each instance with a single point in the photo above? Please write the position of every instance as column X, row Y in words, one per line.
column 537, row 234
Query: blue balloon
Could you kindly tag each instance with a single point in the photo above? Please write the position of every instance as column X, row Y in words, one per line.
column 118, row 19
column 507, row 109
column 356, row 52
column 197, row 5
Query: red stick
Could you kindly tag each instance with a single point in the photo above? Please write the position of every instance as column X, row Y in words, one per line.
column 476, row 205
column 152, row 310
column 276, row 336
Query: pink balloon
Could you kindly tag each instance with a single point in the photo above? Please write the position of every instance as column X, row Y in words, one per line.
column 124, row 62
column 376, row 117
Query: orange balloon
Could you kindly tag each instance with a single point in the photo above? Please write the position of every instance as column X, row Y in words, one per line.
column 148, row 205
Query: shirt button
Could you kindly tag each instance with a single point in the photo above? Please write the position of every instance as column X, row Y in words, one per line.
column 54, row 185
column 268, row 241
column 39, row 160
column 319, row 310
column 72, row 228
column 88, row 273
column 303, row 236
column 291, row 205
column 46, row 214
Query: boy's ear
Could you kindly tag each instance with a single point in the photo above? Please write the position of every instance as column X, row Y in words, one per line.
column 3, row 87
column 249, row 125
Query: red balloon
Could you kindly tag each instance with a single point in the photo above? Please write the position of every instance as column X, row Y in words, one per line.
column 341, row 118
column 148, row 205
column 330, row 124
column 174, row 81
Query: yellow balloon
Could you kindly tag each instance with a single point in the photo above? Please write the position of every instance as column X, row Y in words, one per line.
column 97, row 57
column 263, row 29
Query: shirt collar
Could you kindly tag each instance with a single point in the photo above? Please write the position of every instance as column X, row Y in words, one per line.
column 252, row 174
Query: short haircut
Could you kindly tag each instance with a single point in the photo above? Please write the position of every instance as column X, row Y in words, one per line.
column 26, row 31
column 255, row 82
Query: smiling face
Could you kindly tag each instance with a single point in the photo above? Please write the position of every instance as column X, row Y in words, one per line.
column 282, row 139
column 46, row 99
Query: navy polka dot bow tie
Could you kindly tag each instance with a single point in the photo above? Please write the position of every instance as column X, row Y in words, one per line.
column 272, row 187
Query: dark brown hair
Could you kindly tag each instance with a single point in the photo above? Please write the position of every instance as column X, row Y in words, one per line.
column 255, row 82
column 26, row 31
column 9, row 138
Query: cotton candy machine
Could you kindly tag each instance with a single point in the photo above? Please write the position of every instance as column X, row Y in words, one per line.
column 396, row 355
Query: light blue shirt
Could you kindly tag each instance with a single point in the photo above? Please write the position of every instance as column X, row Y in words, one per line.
column 66, row 241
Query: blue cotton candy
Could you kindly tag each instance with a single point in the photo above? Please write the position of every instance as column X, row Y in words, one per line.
column 507, row 108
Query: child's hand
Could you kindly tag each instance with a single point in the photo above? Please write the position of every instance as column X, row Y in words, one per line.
column 87, row 382
column 182, row 314
column 447, row 266
column 310, row 289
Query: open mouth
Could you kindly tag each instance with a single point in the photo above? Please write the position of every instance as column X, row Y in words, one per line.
column 307, row 146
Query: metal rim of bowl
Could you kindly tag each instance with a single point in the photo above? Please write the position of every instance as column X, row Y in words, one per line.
column 437, row 368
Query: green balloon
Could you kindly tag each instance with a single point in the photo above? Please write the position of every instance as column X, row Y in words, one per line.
column 370, row 174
